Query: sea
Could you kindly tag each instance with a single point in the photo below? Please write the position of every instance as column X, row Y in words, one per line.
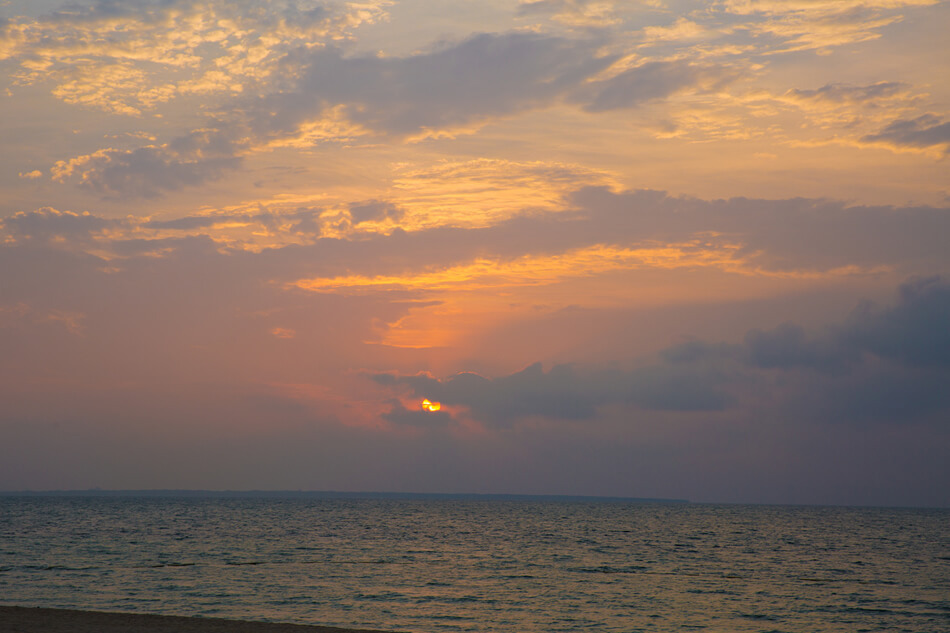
column 435, row 565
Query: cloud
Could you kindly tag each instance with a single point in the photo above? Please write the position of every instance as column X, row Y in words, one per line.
column 253, row 226
column 72, row 321
column 49, row 224
column 787, row 346
column 574, row 13
column 818, row 24
column 130, row 57
column 400, row 415
column 782, row 7
column 486, row 75
column 913, row 332
column 374, row 211
column 166, row 313
column 498, row 272
column 682, row 30
column 655, row 80
column 839, row 92
column 777, row 235
column 31, row 175
column 485, row 191
column 589, row 232
column 853, row 110
column 501, row 401
column 451, row 87
column 925, row 131
column 148, row 171
column 22, row 315
column 247, row 77
column 566, row 392
column 887, row 365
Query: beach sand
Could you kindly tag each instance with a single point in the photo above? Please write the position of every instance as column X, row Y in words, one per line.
column 36, row 620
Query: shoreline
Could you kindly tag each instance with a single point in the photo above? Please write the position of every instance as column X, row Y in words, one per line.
column 15, row 619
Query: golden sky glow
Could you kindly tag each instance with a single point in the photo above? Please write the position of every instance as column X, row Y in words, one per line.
column 292, row 220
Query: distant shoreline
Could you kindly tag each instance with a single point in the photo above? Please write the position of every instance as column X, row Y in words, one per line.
column 15, row 619
column 329, row 494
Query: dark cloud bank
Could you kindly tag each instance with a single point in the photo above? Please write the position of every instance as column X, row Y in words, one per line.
column 883, row 365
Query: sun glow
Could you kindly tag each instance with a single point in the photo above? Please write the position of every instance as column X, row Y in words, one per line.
column 431, row 406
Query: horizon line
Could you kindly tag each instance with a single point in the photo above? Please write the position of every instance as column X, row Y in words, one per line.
column 375, row 494
column 158, row 492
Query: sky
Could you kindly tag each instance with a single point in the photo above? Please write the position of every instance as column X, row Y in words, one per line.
column 655, row 248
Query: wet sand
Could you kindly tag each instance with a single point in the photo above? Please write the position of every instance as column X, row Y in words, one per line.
column 35, row 620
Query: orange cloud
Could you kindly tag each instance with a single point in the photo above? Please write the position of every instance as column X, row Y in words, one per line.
column 531, row 270
column 128, row 61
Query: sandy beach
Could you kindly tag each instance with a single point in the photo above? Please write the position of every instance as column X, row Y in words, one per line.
column 36, row 620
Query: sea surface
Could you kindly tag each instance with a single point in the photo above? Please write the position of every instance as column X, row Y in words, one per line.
column 431, row 566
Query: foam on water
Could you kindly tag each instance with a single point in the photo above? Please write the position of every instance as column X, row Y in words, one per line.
column 430, row 566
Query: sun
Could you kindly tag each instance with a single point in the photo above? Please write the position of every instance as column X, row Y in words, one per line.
column 431, row 406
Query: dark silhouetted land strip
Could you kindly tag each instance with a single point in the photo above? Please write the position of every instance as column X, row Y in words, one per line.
column 36, row 620
column 328, row 494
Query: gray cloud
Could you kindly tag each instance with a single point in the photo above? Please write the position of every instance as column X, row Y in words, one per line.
column 883, row 365
column 839, row 93
column 787, row 346
column 882, row 395
column 187, row 223
column 925, row 131
column 798, row 233
column 679, row 388
column 47, row 223
column 569, row 393
column 374, row 210
column 775, row 235
column 502, row 400
column 304, row 220
column 888, row 365
column 271, row 13
column 146, row 171
column 483, row 76
column 915, row 331
column 650, row 82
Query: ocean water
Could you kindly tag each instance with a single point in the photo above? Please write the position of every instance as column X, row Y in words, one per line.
column 431, row 566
